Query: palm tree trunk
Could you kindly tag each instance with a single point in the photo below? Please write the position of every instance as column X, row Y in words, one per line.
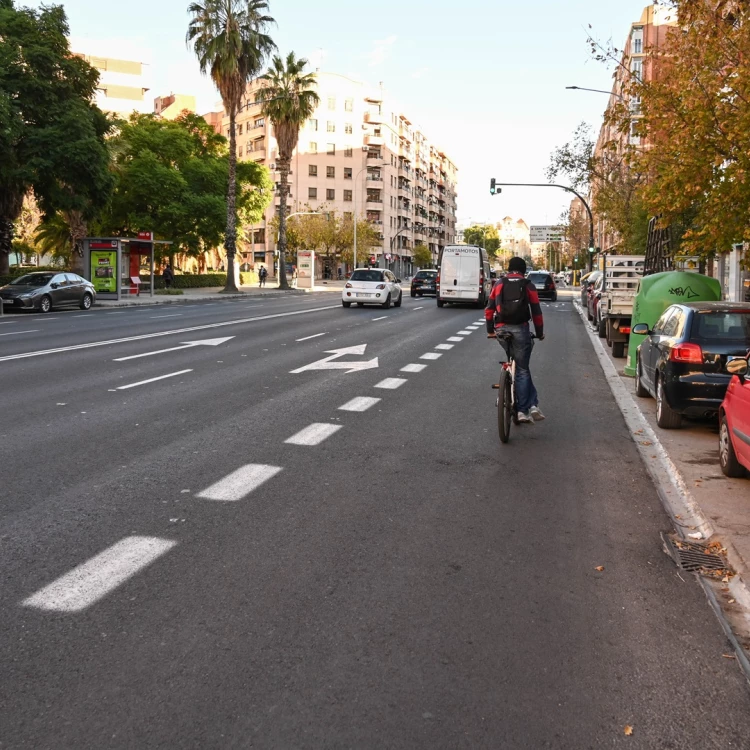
column 283, row 192
column 230, row 238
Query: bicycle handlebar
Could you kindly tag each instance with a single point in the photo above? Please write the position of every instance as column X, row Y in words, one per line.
column 496, row 334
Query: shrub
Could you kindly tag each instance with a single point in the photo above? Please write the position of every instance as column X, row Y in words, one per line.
column 169, row 291
column 193, row 281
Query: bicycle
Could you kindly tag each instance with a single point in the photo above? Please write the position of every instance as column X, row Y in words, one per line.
column 507, row 411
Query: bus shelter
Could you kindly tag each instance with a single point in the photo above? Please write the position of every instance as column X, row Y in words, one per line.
column 113, row 264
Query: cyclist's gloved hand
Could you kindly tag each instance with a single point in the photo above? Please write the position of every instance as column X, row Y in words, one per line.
column 540, row 337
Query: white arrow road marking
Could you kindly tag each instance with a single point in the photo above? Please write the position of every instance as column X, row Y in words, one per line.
column 328, row 362
column 103, row 573
column 314, row 434
column 153, row 380
column 185, row 345
column 239, row 483
column 361, row 403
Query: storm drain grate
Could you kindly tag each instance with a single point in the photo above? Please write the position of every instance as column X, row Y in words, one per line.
column 697, row 557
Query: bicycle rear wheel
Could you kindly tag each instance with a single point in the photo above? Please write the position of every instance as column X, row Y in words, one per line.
column 504, row 406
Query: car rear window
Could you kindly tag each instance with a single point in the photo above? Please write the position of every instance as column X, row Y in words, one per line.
column 367, row 276
column 426, row 275
column 721, row 326
column 538, row 278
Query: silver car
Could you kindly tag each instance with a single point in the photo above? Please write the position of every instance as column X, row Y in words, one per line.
column 43, row 290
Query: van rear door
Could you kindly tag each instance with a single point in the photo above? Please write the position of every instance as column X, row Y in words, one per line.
column 459, row 273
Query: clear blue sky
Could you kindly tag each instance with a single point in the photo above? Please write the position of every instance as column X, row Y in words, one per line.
column 485, row 78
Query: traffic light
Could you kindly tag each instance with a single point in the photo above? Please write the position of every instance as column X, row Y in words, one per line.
column 492, row 186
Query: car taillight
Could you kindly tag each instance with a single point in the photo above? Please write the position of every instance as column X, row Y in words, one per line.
column 437, row 279
column 348, row 285
column 689, row 353
column 624, row 329
column 380, row 286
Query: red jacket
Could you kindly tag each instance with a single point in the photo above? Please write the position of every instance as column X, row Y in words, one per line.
column 493, row 312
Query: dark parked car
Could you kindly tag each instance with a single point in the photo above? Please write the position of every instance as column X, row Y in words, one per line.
column 544, row 284
column 44, row 290
column 424, row 283
column 682, row 362
column 593, row 297
column 588, row 280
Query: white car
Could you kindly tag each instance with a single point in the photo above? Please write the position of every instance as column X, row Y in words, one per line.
column 372, row 286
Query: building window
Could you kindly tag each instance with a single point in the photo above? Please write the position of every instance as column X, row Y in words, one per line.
column 638, row 46
column 313, row 147
column 239, row 151
column 239, row 131
column 312, row 192
column 312, row 124
column 347, row 195
column 331, row 103
column 312, row 170
column 348, row 151
column 330, row 148
column 347, row 173
column 259, row 122
column 330, row 126
column 330, row 195
column 348, row 128
column 349, row 105
column 330, row 171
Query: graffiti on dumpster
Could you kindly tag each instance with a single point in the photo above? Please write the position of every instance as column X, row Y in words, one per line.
column 683, row 291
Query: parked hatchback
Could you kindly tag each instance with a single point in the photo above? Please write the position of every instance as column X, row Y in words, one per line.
column 682, row 362
column 544, row 284
column 372, row 286
column 734, row 421
column 424, row 283
column 45, row 290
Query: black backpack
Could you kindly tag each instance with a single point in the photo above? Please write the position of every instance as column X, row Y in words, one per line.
column 514, row 302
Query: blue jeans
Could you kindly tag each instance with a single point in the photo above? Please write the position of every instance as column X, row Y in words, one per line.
column 522, row 343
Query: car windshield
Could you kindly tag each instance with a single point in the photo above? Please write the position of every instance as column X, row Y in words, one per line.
column 426, row 275
column 367, row 276
column 33, row 279
column 538, row 278
column 722, row 326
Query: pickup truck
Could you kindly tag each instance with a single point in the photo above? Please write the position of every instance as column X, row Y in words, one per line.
column 615, row 308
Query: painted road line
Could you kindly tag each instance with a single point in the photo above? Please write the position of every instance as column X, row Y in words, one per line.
column 454, row 338
column 431, row 355
column 473, row 328
column 18, row 333
column 155, row 317
column 463, row 333
column 184, row 345
column 115, row 313
column 315, row 434
column 100, row 575
column 418, row 308
column 413, row 368
column 314, row 336
column 445, row 346
column 45, row 318
column 153, row 380
column 140, row 337
column 383, row 318
column 361, row 403
column 391, row 383
column 239, row 483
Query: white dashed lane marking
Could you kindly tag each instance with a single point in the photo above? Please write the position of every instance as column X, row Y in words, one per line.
column 445, row 346
column 417, row 308
column 314, row 434
column 18, row 333
column 239, row 483
column 382, row 318
column 454, row 338
column 464, row 333
column 391, row 383
column 413, row 368
column 314, row 336
column 361, row 403
column 431, row 355
column 94, row 579
column 153, row 380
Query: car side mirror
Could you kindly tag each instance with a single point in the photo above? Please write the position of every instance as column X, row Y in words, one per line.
column 55, row 285
column 641, row 329
column 737, row 367
column 398, row 281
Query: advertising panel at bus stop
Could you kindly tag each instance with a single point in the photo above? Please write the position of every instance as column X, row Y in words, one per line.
column 103, row 266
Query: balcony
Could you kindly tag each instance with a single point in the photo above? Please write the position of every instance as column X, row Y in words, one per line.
column 374, row 118
column 374, row 140
column 374, row 155
column 374, row 178
column 374, row 204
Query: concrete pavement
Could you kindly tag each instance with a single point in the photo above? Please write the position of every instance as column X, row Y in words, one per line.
column 204, row 548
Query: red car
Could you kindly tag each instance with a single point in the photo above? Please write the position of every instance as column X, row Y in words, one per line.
column 734, row 422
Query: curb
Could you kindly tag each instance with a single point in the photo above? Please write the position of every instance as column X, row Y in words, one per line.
column 679, row 503
column 179, row 298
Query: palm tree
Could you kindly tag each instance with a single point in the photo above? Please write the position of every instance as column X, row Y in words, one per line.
column 288, row 101
column 229, row 38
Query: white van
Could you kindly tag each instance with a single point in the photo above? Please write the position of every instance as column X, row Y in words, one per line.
column 463, row 275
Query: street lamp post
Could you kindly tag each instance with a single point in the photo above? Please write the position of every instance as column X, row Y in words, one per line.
column 596, row 91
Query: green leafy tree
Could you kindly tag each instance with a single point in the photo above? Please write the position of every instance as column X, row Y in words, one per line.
column 52, row 237
column 172, row 178
column 288, row 99
column 230, row 40
column 52, row 136
column 422, row 255
column 483, row 235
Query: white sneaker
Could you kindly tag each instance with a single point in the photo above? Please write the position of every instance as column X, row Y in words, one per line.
column 536, row 414
column 525, row 418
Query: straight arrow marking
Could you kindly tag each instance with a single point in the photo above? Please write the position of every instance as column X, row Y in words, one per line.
column 327, row 363
column 185, row 345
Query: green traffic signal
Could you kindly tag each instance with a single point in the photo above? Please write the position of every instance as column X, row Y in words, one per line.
column 492, row 186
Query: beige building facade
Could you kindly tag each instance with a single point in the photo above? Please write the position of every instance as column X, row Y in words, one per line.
column 359, row 153
column 170, row 107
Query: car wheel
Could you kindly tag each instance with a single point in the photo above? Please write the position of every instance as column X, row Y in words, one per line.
column 554, row 297
column 45, row 304
column 400, row 299
column 727, row 457
column 640, row 390
column 602, row 328
column 360, row 304
column 412, row 293
column 618, row 349
column 666, row 417
column 345, row 303
column 86, row 302
column 440, row 302
column 387, row 302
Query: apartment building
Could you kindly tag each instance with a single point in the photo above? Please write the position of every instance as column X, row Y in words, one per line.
column 359, row 153
column 124, row 75
column 172, row 106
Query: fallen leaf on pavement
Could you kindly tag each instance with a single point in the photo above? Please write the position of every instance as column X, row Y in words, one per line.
column 646, row 442
column 731, row 601
column 628, row 730
column 725, row 579
column 729, row 656
column 600, row 568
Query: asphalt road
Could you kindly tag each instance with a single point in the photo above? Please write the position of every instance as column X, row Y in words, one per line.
column 200, row 549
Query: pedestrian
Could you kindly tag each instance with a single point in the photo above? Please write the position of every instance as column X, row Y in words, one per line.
column 168, row 277
column 262, row 274
column 294, row 277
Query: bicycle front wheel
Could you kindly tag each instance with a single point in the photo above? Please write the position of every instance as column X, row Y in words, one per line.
column 504, row 406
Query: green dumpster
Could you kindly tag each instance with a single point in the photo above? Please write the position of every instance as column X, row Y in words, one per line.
column 657, row 292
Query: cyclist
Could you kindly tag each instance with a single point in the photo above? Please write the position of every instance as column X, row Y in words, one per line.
column 513, row 302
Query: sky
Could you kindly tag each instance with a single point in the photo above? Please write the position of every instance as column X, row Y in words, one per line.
column 485, row 79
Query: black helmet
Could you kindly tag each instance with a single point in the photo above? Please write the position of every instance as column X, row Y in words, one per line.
column 517, row 265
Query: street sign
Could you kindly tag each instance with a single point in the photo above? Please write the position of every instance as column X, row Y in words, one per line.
column 547, row 234
column 328, row 363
